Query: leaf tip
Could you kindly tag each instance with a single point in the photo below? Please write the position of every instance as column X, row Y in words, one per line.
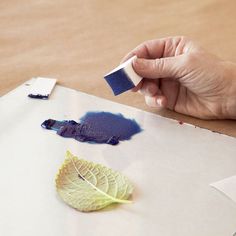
column 69, row 154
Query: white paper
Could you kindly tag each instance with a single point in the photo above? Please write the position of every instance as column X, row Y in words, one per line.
column 170, row 166
column 42, row 87
column 227, row 186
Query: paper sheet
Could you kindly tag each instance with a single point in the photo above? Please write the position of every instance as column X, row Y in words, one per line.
column 170, row 166
column 227, row 186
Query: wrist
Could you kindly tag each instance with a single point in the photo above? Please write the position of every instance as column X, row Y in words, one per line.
column 229, row 106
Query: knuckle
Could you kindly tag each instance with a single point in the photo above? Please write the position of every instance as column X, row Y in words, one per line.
column 148, row 42
column 145, row 47
column 183, row 38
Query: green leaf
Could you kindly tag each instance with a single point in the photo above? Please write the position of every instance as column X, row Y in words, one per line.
column 87, row 186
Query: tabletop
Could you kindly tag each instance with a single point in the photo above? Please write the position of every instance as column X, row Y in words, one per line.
column 79, row 41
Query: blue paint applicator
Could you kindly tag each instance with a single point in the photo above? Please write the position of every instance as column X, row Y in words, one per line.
column 123, row 77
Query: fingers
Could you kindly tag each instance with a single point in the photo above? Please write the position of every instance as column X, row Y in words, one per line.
column 158, row 102
column 157, row 48
column 150, row 88
column 159, row 68
column 153, row 95
column 157, row 59
column 150, row 49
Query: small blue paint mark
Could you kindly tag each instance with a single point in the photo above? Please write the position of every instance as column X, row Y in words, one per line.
column 38, row 96
column 96, row 127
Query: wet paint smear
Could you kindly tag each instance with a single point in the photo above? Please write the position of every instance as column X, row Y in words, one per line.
column 96, row 127
column 38, row 96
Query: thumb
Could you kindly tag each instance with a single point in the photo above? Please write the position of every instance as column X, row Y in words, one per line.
column 158, row 68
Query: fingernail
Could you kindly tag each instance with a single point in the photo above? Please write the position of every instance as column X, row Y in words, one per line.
column 159, row 102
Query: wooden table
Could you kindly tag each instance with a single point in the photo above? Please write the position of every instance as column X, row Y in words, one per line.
column 79, row 41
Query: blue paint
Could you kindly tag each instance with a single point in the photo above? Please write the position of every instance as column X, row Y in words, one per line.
column 57, row 125
column 119, row 82
column 96, row 127
column 38, row 96
column 111, row 124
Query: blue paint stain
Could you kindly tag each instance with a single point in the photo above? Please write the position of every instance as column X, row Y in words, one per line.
column 38, row 96
column 96, row 127
column 111, row 124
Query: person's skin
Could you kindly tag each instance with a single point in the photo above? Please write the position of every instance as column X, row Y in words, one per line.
column 181, row 76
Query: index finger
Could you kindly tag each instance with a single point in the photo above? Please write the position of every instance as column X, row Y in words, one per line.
column 153, row 49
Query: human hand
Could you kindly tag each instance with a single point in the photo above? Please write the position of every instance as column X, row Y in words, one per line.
column 179, row 75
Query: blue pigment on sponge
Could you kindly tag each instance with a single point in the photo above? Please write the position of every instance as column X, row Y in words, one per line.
column 119, row 82
column 123, row 77
column 96, row 127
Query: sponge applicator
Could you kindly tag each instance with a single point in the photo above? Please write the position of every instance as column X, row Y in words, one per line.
column 123, row 77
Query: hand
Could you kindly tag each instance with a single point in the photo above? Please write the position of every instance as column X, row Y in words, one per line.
column 179, row 75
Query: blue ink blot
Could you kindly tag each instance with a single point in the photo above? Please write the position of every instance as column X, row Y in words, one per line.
column 96, row 127
column 38, row 96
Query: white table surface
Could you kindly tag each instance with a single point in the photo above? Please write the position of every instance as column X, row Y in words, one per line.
column 170, row 165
